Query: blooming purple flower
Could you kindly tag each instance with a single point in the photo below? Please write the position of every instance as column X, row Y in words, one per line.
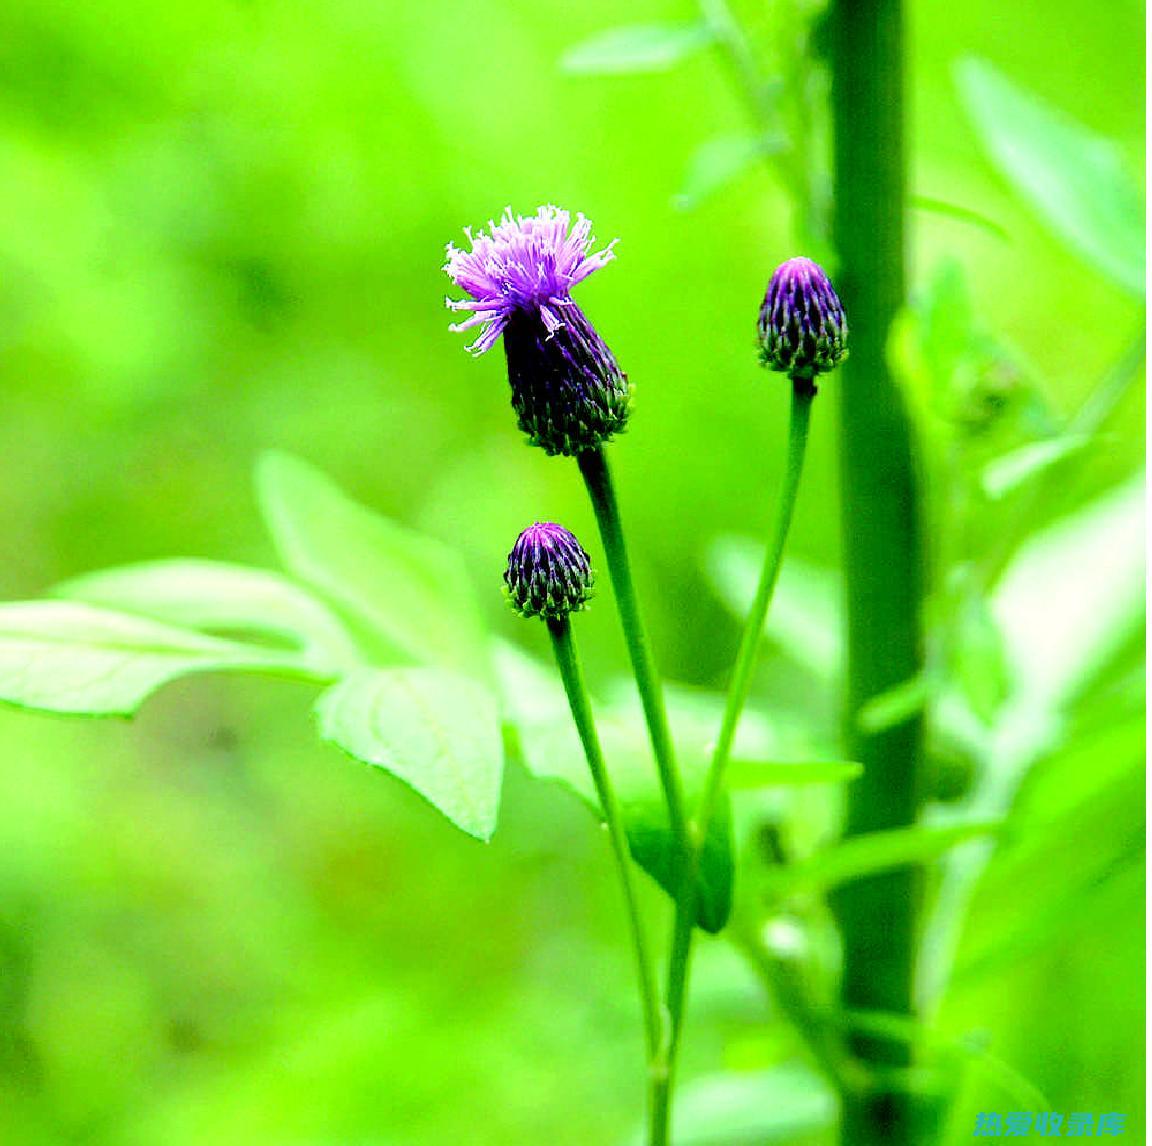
column 526, row 264
column 802, row 326
column 567, row 390
column 549, row 574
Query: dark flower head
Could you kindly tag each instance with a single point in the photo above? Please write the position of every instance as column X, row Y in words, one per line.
column 567, row 390
column 549, row 575
column 802, row 326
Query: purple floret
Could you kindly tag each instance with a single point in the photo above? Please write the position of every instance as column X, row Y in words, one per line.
column 525, row 264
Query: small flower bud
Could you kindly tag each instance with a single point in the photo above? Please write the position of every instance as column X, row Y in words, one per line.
column 549, row 575
column 802, row 326
column 567, row 390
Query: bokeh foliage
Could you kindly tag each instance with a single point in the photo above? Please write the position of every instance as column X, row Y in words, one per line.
column 223, row 231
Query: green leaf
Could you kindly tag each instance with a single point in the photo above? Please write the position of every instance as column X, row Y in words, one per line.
column 438, row 731
column 1078, row 841
column 786, row 1103
column 751, row 774
column 225, row 600
column 718, row 162
column 969, row 1047
column 636, row 48
column 1076, row 180
column 1012, row 470
column 874, row 852
column 65, row 656
column 964, row 384
column 977, row 660
column 1072, row 596
column 805, row 615
column 407, row 595
column 893, row 707
column 960, row 214
column 536, row 707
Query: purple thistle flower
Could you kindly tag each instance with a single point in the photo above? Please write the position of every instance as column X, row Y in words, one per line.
column 567, row 390
column 526, row 264
column 802, row 326
column 549, row 574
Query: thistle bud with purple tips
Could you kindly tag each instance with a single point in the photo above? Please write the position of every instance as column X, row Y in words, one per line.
column 549, row 574
column 802, row 326
column 569, row 394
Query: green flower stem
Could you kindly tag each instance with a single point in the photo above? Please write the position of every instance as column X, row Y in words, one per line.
column 879, row 916
column 568, row 662
column 594, row 469
column 803, row 393
column 680, row 960
column 598, row 480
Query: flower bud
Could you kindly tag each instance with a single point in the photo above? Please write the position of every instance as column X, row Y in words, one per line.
column 567, row 390
column 568, row 393
column 802, row 326
column 549, row 574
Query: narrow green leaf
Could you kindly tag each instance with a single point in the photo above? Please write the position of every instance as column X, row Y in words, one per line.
column 947, row 330
column 536, row 707
column 805, row 616
column 963, row 382
column 718, row 162
column 1073, row 594
column 786, row 1103
column 751, row 774
column 64, row 656
column 899, row 704
column 960, row 214
column 977, row 659
column 436, row 730
column 224, row 600
column 407, row 595
column 875, row 852
column 1075, row 179
column 1078, row 843
column 1010, row 471
column 971, row 1046
column 636, row 48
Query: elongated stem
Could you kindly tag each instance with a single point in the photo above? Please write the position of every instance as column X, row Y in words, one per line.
column 570, row 673
column 880, row 503
column 683, row 928
column 598, row 479
column 741, row 683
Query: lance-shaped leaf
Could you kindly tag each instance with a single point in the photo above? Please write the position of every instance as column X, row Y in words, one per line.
column 720, row 161
column 65, row 656
column 438, row 731
column 224, row 600
column 805, row 614
column 636, row 48
column 1073, row 594
column 786, row 1104
column 753, row 774
column 1074, row 178
column 407, row 595
column 874, row 852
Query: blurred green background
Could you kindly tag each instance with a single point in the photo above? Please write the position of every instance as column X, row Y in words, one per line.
column 222, row 231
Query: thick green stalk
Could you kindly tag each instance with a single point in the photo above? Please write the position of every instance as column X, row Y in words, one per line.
column 594, row 469
column 568, row 663
column 878, row 916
